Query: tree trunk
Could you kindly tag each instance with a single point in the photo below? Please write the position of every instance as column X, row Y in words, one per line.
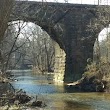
column 5, row 10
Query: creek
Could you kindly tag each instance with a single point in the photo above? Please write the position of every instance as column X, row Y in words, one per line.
column 58, row 96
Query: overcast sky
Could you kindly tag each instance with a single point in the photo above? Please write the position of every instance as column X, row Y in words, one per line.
column 104, row 2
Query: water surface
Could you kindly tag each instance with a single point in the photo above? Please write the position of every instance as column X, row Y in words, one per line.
column 58, row 97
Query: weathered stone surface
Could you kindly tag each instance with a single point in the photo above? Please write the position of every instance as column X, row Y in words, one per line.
column 73, row 27
column 59, row 67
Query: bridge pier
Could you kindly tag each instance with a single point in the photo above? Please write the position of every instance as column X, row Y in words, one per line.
column 71, row 64
column 76, row 62
column 59, row 67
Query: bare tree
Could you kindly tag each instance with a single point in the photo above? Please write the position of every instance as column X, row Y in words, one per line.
column 34, row 47
column 9, row 44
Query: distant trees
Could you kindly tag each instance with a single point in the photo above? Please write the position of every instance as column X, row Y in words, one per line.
column 8, row 44
column 25, row 45
column 43, row 52
column 104, row 47
column 40, row 49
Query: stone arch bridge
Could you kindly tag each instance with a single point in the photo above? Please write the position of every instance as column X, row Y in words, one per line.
column 74, row 27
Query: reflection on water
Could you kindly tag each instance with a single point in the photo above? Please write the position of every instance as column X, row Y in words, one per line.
column 58, row 97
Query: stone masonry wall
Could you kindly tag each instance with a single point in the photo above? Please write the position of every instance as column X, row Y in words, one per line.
column 59, row 68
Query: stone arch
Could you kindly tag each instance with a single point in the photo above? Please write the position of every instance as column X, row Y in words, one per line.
column 59, row 67
column 69, row 25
